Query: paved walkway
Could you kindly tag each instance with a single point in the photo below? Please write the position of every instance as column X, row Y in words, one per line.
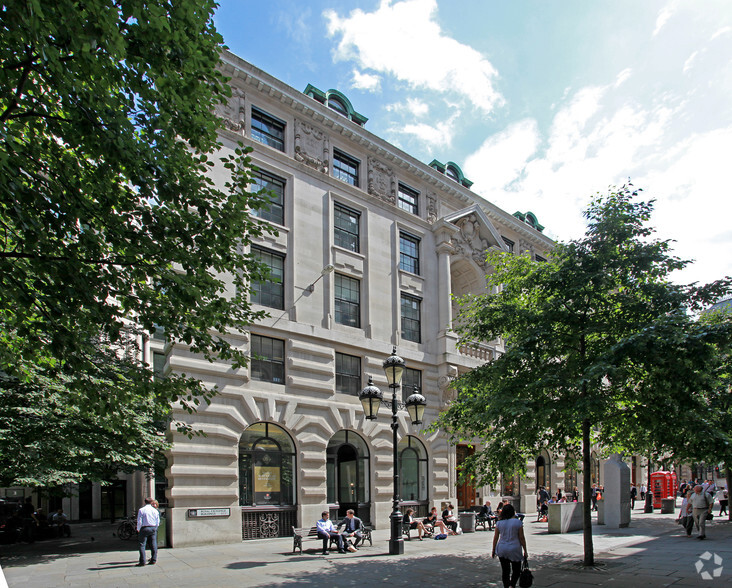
column 651, row 552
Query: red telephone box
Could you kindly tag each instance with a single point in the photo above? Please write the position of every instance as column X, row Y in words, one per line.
column 663, row 485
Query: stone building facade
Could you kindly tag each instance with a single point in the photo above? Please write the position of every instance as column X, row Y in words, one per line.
column 371, row 246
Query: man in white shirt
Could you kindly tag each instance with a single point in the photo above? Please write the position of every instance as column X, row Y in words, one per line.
column 148, row 521
column 326, row 530
column 701, row 503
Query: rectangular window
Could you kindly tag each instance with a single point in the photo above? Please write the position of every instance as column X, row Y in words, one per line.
column 408, row 199
column 410, row 380
column 508, row 243
column 348, row 374
column 274, row 210
column 411, row 318
column 408, row 253
column 268, row 359
column 268, row 129
column 345, row 167
column 347, row 301
column 270, row 292
column 159, row 361
column 540, row 258
column 346, row 229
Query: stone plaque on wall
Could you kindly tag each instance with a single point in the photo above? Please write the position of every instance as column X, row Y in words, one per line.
column 312, row 146
column 382, row 182
column 233, row 111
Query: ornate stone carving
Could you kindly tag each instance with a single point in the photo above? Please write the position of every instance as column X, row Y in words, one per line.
column 312, row 146
column 382, row 182
column 526, row 246
column 468, row 241
column 233, row 111
column 431, row 207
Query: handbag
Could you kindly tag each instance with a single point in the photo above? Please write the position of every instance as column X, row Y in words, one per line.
column 710, row 516
column 526, row 578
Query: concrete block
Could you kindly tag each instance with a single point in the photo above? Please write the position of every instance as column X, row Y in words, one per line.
column 565, row 517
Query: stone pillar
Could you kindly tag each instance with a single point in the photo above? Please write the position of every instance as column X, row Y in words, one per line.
column 615, row 508
column 445, row 287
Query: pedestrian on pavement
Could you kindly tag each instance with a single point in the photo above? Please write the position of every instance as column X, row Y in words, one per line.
column 686, row 518
column 148, row 521
column 643, row 491
column 509, row 544
column 723, row 501
column 702, row 503
column 633, row 494
column 593, row 497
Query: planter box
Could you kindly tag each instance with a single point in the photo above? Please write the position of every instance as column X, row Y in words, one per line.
column 565, row 517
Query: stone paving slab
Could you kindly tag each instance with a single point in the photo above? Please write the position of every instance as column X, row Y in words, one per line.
column 652, row 552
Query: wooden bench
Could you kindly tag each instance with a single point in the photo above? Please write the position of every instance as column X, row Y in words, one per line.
column 300, row 534
column 406, row 530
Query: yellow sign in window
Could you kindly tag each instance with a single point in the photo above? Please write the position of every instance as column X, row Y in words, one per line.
column 266, row 479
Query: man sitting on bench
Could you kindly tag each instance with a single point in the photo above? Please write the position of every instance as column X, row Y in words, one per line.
column 352, row 528
column 326, row 530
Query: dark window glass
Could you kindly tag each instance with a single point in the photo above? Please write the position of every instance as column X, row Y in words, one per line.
column 348, row 374
column 267, row 129
column 540, row 258
column 508, row 243
column 408, row 253
column 452, row 174
column 270, row 292
column 410, row 380
column 266, row 466
column 338, row 106
column 346, row 230
column 274, row 211
column 411, row 318
column 268, row 359
column 159, row 361
column 345, row 167
column 408, row 199
column 347, row 301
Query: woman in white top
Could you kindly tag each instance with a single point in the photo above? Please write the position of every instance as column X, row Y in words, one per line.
column 685, row 512
column 509, row 544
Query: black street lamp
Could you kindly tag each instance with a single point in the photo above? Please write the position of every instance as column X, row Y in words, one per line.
column 372, row 398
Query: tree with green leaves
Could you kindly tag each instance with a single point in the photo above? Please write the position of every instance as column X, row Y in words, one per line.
column 601, row 349
column 110, row 224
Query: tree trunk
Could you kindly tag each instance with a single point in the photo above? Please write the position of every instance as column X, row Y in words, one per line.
column 586, row 494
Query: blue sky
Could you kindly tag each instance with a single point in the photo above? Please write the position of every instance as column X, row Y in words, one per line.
column 542, row 104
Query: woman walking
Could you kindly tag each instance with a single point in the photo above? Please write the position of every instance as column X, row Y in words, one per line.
column 509, row 544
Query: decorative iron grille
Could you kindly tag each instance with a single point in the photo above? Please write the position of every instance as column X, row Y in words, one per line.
column 261, row 524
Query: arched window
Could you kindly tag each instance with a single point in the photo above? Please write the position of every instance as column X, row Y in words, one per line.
column 347, row 471
column 412, row 469
column 543, row 472
column 338, row 106
column 266, row 466
column 594, row 468
column 570, row 474
column 451, row 173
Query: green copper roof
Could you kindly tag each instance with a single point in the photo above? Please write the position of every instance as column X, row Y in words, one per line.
column 340, row 99
column 530, row 219
column 454, row 168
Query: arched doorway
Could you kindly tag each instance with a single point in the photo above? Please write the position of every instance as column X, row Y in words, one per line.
column 543, row 472
column 348, row 474
column 267, row 481
column 413, row 474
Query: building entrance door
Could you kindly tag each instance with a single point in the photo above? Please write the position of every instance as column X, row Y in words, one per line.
column 465, row 490
column 347, row 479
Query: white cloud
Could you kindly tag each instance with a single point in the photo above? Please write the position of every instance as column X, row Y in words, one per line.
column 365, row 81
column 622, row 76
column 403, row 39
column 720, row 32
column 501, row 158
column 664, row 15
column 433, row 136
column 689, row 62
column 414, row 106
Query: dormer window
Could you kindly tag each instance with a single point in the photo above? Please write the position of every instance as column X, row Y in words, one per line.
column 338, row 106
column 452, row 174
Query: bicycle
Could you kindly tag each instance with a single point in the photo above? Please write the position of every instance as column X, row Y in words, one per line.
column 127, row 529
